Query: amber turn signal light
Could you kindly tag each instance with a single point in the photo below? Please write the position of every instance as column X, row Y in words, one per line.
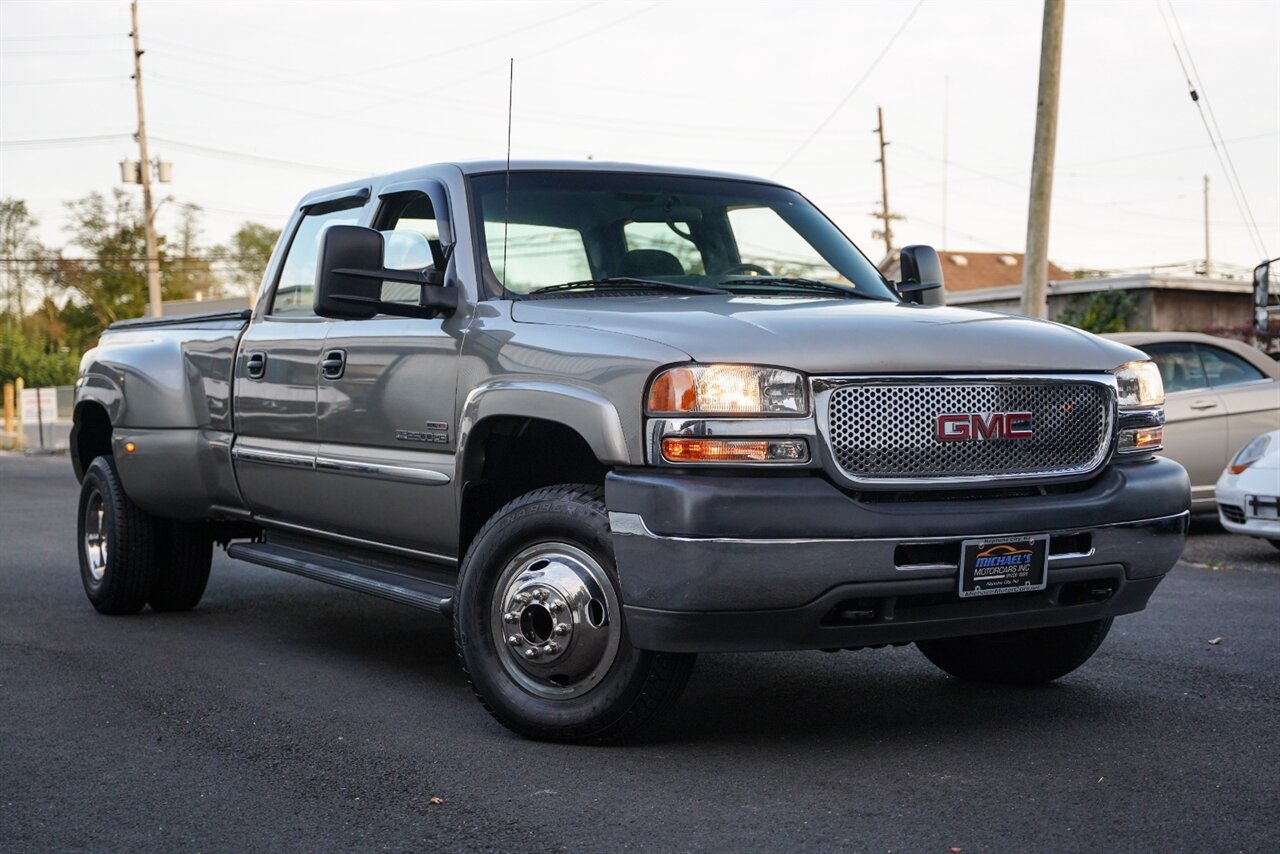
column 675, row 390
column 1141, row 439
column 681, row 449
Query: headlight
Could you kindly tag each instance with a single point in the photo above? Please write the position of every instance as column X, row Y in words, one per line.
column 727, row 390
column 1249, row 454
column 1139, row 384
column 1140, row 393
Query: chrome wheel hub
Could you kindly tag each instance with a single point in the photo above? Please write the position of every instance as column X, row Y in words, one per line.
column 554, row 620
column 95, row 536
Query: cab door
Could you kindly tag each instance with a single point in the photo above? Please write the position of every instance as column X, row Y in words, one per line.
column 276, row 372
column 385, row 403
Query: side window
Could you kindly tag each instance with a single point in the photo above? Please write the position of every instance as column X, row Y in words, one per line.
column 1226, row 368
column 662, row 237
column 408, row 223
column 1179, row 366
column 295, row 289
column 536, row 255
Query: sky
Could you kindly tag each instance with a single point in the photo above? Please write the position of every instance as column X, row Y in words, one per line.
column 255, row 103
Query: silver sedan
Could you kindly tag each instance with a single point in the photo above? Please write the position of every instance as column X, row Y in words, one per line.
column 1219, row 395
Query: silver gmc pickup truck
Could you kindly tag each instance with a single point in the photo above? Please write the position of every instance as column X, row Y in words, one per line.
column 604, row 417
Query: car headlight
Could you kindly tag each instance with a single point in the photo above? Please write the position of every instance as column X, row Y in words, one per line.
column 727, row 390
column 1140, row 393
column 1138, row 383
column 1249, row 454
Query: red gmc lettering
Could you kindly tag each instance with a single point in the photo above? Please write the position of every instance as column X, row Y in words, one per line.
column 983, row 426
column 1017, row 425
column 953, row 427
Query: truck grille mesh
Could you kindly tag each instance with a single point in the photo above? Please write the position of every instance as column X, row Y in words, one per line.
column 889, row 431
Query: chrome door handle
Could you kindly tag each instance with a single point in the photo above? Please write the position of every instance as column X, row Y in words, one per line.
column 1204, row 404
column 256, row 366
column 334, row 363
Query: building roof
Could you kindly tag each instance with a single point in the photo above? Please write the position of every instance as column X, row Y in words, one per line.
column 1092, row 284
column 971, row 271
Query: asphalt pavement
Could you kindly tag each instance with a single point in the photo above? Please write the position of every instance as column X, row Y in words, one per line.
column 286, row 715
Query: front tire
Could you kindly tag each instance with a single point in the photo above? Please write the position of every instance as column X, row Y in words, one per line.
column 1028, row 657
column 117, row 543
column 184, row 555
column 539, row 628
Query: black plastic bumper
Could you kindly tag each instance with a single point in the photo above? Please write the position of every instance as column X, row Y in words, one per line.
column 710, row 563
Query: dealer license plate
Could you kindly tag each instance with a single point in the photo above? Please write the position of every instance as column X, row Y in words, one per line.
column 1013, row 565
column 1262, row 506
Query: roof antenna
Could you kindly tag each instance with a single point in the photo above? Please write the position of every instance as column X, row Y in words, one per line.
column 506, row 205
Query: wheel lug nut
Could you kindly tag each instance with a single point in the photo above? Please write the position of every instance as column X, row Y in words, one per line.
column 531, row 652
column 556, row 606
column 541, row 594
column 523, row 598
column 550, row 648
column 515, row 640
column 562, row 629
column 510, row 617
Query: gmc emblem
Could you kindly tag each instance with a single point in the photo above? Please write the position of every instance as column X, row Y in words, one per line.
column 981, row 426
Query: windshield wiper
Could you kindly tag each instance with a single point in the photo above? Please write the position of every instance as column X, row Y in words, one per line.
column 799, row 284
column 630, row 282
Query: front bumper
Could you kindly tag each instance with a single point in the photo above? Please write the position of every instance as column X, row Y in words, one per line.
column 1241, row 499
column 731, row 563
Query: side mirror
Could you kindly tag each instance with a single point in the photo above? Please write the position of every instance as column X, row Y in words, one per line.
column 1263, row 306
column 350, row 275
column 921, row 276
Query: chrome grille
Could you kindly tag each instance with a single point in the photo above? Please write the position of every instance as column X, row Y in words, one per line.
column 888, row 431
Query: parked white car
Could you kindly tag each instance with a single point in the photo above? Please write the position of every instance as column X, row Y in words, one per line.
column 1248, row 492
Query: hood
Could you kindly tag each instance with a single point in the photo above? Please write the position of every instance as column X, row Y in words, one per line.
column 831, row 336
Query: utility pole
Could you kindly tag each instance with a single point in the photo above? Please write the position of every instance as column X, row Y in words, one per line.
column 1208, row 265
column 883, row 214
column 1035, row 264
column 149, row 225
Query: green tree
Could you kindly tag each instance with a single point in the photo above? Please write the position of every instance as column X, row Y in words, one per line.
column 34, row 361
column 1101, row 311
column 111, row 280
column 192, row 270
column 247, row 255
column 18, row 249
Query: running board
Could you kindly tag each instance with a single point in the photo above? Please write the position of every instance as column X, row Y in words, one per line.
column 398, row 587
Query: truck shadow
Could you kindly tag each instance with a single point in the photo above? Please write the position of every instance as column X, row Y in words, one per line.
column 855, row 698
column 846, row 698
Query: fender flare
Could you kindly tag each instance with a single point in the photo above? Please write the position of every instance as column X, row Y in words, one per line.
column 591, row 415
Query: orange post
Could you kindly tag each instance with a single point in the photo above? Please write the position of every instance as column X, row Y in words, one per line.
column 8, row 407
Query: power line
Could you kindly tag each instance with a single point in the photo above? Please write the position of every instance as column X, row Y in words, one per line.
column 60, row 38
column 9, row 53
column 438, row 87
column 872, row 67
column 55, row 81
column 271, row 161
column 290, row 78
column 54, row 141
column 1197, row 94
column 1204, row 95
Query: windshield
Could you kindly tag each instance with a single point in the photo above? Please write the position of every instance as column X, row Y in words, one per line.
column 585, row 227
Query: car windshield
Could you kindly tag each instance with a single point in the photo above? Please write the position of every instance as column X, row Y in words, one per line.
column 617, row 231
